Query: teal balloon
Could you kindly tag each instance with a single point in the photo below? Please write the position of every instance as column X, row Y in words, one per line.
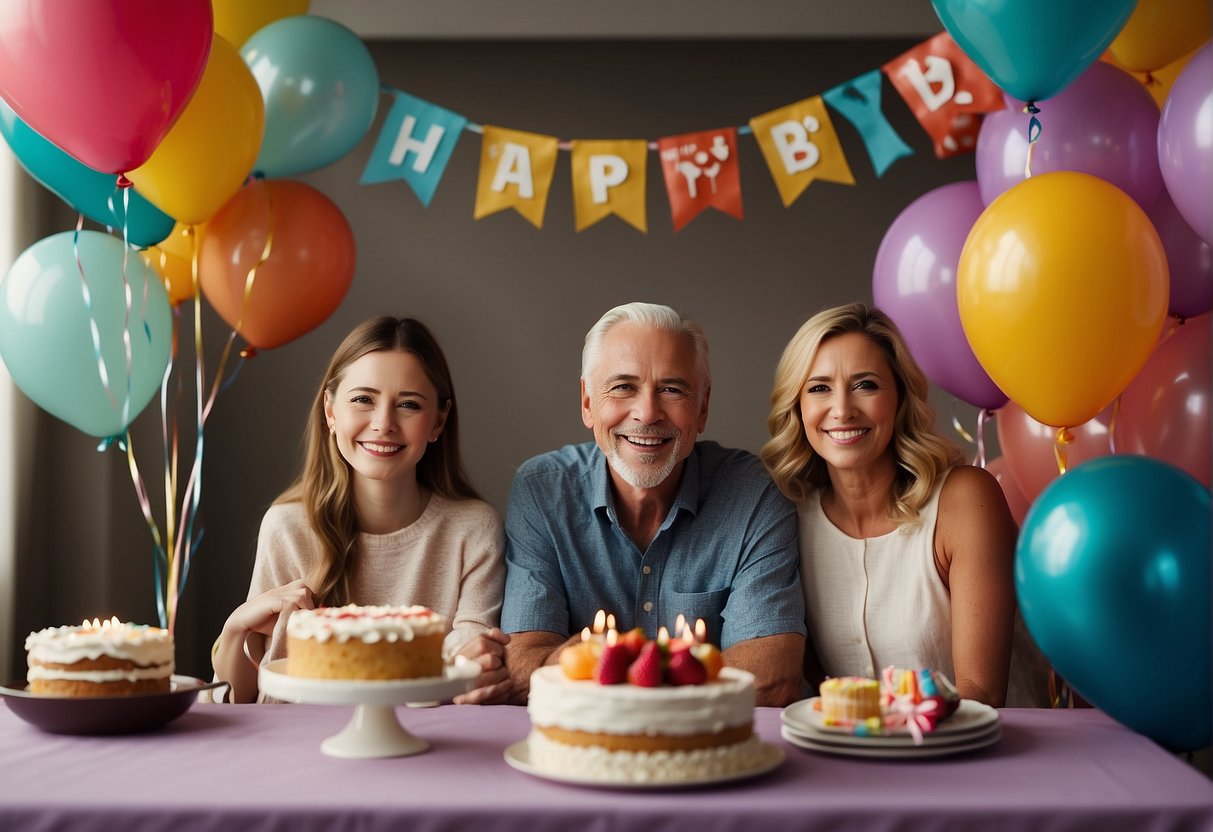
column 46, row 337
column 1112, row 571
column 91, row 192
column 321, row 92
column 1033, row 49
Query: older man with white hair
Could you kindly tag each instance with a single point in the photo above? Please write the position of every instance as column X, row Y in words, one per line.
column 646, row 522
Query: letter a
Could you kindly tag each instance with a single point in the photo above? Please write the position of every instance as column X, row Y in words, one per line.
column 514, row 168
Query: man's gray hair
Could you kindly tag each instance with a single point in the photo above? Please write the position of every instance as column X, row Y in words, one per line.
column 651, row 315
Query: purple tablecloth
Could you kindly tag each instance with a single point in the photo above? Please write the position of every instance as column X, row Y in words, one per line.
column 259, row 767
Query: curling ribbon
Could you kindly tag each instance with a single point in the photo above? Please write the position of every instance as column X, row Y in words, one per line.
column 960, row 428
column 1034, row 129
column 1063, row 440
column 980, row 460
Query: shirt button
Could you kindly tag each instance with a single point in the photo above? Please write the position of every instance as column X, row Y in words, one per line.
column 646, row 569
column 648, row 606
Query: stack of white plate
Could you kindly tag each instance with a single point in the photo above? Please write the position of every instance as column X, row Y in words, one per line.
column 973, row 725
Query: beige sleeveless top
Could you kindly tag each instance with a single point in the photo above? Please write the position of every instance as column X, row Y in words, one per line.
column 874, row 602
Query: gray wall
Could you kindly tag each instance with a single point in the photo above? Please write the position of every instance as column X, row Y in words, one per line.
column 509, row 303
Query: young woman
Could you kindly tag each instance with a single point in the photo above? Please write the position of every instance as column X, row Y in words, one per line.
column 382, row 513
column 906, row 554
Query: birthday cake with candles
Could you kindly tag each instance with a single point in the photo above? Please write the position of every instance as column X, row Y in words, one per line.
column 365, row 642
column 621, row 708
column 99, row 658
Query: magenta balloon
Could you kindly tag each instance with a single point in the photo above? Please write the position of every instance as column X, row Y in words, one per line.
column 1103, row 124
column 103, row 81
column 1188, row 258
column 914, row 282
column 1185, row 143
column 1164, row 412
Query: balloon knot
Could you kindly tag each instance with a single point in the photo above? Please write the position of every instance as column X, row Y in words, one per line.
column 123, row 182
column 1064, row 437
column 248, row 352
column 1031, row 107
column 109, row 441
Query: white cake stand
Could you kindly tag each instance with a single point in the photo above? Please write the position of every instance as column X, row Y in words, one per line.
column 374, row 730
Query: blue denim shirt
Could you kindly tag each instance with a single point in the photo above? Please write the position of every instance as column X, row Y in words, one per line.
column 727, row 551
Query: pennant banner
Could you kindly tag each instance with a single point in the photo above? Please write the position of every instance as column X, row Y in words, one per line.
column 701, row 170
column 800, row 145
column 609, row 178
column 415, row 145
column 515, row 172
column 945, row 90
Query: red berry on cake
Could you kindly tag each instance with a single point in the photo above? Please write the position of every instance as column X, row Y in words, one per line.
column 709, row 656
column 645, row 672
column 612, row 666
column 634, row 639
column 685, row 669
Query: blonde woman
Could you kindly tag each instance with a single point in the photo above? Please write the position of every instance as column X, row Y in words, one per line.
column 382, row 513
column 905, row 552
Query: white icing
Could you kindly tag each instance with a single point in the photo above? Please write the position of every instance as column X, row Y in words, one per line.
column 585, row 705
column 144, row 646
column 98, row 676
column 600, row 765
column 368, row 624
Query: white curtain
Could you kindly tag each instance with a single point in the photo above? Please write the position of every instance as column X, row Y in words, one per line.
column 10, row 464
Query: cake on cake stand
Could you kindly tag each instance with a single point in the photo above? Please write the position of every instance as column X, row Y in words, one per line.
column 374, row 730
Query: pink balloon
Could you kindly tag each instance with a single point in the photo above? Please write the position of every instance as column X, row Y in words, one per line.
column 1188, row 259
column 1027, row 446
column 1164, row 412
column 1016, row 501
column 1185, row 142
column 103, row 80
column 914, row 283
column 1102, row 124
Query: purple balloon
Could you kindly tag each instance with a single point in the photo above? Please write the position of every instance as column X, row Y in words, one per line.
column 914, row 283
column 1188, row 259
column 1104, row 124
column 1185, row 143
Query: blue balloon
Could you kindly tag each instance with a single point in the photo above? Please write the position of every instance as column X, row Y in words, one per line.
column 46, row 330
column 1033, row 48
column 1112, row 570
column 91, row 192
column 321, row 92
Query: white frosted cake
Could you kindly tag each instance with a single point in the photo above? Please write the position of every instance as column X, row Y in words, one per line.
column 365, row 642
column 631, row 734
column 108, row 658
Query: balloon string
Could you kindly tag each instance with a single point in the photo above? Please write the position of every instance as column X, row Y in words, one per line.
column 980, row 460
column 960, row 428
column 1063, row 440
column 169, row 437
column 1112, row 426
column 1034, row 129
column 1059, row 691
column 92, row 321
column 145, row 504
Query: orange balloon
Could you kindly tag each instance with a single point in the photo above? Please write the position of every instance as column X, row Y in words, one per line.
column 1062, row 287
column 1160, row 32
column 1028, row 446
column 1165, row 410
column 172, row 258
column 308, row 250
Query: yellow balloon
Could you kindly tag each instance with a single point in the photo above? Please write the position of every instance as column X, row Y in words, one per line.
column 1160, row 32
column 172, row 258
column 237, row 20
column 1062, row 287
column 210, row 151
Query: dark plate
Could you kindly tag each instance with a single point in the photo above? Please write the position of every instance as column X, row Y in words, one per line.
column 104, row 714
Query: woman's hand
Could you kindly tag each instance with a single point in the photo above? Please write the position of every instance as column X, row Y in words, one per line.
column 261, row 614
column 493, row 684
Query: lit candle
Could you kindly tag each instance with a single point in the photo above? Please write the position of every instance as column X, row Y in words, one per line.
column 663, row 637
column 599, row 621
column 611, row 637
column 610, row 621
column 701, row 631
column 585, row 633
column 680, row 624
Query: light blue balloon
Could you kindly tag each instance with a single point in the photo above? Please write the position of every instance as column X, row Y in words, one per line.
column 321, row 92
column 89, row 191
column 1112, row 570
column 1033, row 49
column 46, row 339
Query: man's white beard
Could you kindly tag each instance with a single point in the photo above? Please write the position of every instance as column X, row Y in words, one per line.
column 648, row 476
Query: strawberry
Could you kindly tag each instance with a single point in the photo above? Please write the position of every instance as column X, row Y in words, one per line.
column 709, row 656
column 633, row 639
column 685, row 669
column 645, row 672
column 612, row 666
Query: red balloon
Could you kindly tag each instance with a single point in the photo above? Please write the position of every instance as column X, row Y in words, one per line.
column 104, row 80
column 1164, row 412
column 1027, row 446
column 304, row 278
column 1016, row 501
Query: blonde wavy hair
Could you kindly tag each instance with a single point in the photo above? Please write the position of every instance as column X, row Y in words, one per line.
column 324, row 485
column 922, row 455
